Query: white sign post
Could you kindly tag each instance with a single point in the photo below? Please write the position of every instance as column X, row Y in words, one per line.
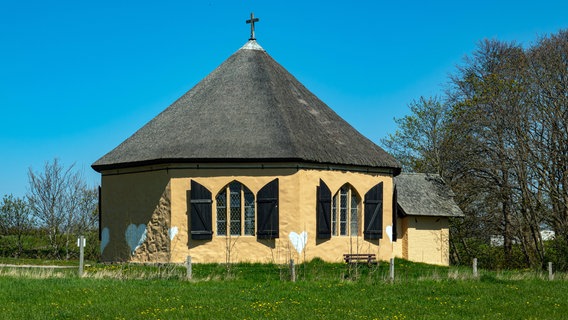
column 81, row 242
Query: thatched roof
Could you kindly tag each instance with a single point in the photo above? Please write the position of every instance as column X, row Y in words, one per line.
column 249, row 109
column 422, row 194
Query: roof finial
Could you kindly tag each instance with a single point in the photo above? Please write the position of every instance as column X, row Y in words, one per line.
column 252, row 20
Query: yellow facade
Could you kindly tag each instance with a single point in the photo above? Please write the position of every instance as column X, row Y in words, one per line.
column 424, row 239
column 145, row 214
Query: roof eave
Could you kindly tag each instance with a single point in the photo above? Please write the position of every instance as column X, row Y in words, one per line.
column 260, row 163
column 455, row 213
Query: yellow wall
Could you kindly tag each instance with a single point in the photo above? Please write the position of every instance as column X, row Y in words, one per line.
column 134, row 200
column 127, row 200
column 425, row 239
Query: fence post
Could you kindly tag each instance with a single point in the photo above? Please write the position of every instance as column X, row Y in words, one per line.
column 81, row 244
column 292, row 271
column 189, row 269
column 475, row 267
column 391, row 269
column 550, row 274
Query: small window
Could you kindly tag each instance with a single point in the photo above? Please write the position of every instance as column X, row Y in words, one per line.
column 235, row 210
column 345, row 212
column 222, row 213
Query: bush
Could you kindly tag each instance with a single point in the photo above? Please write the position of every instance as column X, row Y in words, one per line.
column 556, row 251
column 491, row 257
column 36, row 246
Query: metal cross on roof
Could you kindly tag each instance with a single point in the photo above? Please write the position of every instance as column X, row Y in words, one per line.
column 252, row 20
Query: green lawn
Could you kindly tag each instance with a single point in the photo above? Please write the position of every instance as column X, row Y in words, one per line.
column 249, row 291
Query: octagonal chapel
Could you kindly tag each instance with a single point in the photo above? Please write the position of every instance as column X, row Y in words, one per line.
column 249, row 166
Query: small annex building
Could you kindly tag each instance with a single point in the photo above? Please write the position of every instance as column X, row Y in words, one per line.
column 250, row 166
column 425, row 205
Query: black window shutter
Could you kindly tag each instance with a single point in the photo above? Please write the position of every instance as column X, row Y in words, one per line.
column 267, row 211
column 394, row 214
column 374, row 213
column 200, row 212
column 323, row 208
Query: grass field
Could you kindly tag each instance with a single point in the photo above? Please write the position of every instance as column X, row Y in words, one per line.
column 253, row 291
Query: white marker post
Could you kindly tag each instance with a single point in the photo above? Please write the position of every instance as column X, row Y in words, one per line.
column 81, row 242
column 475, row 274
column 292, row 271
column 189, row 270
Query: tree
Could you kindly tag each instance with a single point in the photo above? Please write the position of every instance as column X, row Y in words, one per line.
column 503, row 148
column 61, row 202
column 87, row 214
column 417, row 143
column 15, row 219
column 487, row 92
column 548, row 132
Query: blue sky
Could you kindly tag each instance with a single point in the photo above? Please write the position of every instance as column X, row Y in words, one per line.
column 79, row 77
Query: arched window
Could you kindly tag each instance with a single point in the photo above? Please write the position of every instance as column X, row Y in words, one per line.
column 345, row 212
column 235, row 210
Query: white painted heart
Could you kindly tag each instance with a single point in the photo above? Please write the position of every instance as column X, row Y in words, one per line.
column 298, row 240
column 172, row 232
column 135, row 236
column 389, row 232
column 105, row 238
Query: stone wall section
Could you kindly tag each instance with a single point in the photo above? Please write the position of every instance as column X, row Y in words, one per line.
column 156, row 247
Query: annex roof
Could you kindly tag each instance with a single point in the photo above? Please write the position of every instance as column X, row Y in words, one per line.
column 423, row 194
column 248, row 109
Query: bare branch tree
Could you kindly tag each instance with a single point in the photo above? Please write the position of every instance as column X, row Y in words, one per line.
column 56, row 197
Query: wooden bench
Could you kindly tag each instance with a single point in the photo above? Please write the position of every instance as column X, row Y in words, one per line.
column 368, row 258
